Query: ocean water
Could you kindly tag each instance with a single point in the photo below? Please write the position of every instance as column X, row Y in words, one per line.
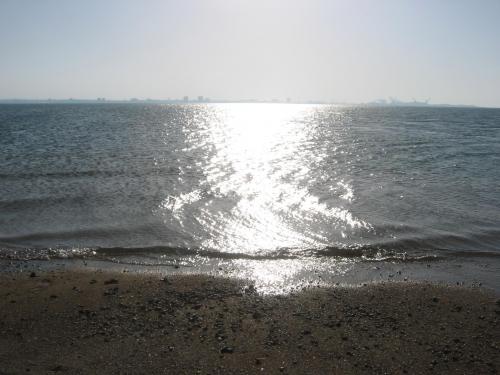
column 298, row 188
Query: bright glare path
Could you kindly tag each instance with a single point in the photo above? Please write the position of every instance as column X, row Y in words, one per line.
column 257, row 143
column 258, row 166
column 255, row 198
column 285, row 275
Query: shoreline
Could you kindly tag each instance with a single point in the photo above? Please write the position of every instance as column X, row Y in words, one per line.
column 275, row 277
column 95, row 321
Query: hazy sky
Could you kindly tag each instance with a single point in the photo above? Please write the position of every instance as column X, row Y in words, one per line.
column 347, row 51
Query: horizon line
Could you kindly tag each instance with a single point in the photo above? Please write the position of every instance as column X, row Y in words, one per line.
column 207, row 100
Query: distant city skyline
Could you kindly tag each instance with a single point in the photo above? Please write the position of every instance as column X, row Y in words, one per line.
column 205, row 100
column 320, row 50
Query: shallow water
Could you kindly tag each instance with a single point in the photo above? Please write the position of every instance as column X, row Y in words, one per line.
column 139, row 184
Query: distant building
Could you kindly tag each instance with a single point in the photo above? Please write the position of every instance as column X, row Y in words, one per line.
column 185, row 99
column 200, row 98
column 101, row 99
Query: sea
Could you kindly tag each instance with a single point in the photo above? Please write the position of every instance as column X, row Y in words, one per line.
column 286, row 195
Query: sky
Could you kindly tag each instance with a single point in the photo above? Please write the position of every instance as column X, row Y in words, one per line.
column 340, row 51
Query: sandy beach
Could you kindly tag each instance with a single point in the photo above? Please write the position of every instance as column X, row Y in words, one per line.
column 102, row 322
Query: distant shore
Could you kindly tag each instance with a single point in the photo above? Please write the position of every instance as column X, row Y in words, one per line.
column 80, row 322
column 377, row 103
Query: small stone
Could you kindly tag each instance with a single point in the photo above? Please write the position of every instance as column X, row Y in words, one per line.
column 227, row 349
column 256, row 315
column 250, row 289
column 32, row 274
column 111, row 281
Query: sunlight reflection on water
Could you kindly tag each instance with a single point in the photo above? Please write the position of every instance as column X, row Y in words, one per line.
column 255, row 196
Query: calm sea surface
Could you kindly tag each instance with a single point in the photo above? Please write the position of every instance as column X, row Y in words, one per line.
column 249, row 181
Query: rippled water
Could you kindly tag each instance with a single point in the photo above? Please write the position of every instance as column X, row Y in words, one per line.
column 249, row 181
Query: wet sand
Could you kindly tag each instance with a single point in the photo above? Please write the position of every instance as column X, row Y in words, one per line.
column 102, row 322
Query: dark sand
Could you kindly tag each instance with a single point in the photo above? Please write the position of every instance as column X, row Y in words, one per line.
column 97, row 322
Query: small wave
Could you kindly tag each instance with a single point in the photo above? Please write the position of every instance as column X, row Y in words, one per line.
column 376, row 253
column 486, row 240
column 404, row 250
column 45, row 253
column 366, row 253
column 83, row 234
column 27, row 203
column 173, row 171
column 62, row 235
